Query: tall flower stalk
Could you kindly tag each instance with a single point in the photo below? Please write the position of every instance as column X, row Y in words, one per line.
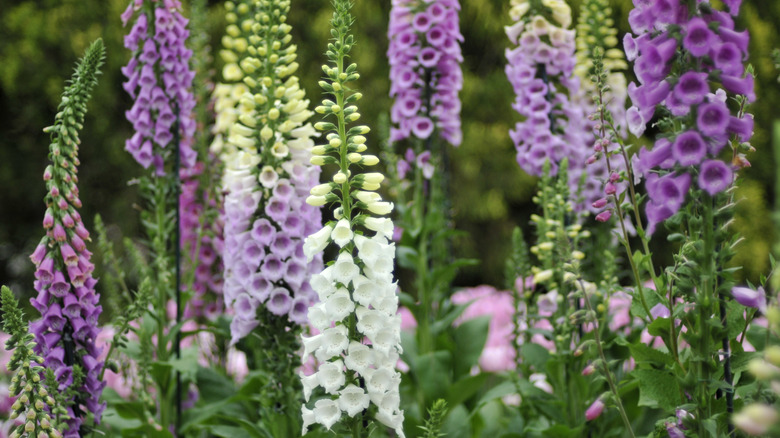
column 267, row 170
column 425, row 71
column 67, row 300
column 359, row 341
column 688, row 59
column 541, row 71
column 159, row 79
column 32, row 402
column 424, row 55
column 267, row 152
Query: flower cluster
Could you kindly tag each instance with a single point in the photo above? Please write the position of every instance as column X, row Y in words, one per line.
column 360, row 332
column 67, row 300
column 540, row 70
column 425, row 72
column 682, row 54
column 160, row 81
column 30, row 400
column 267, row 174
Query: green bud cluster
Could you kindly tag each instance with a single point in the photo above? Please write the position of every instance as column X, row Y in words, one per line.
column 345, row 145
column 32, row 397
column 596, row 28
column 61, row 177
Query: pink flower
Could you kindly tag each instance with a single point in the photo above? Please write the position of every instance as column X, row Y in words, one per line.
column 595, row 410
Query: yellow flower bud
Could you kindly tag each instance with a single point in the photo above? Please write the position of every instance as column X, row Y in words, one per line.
column 340, row 178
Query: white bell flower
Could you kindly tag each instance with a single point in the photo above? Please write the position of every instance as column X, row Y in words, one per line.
column 308, row 419
column 359, row 357
column 380, row 207
column 331, row 376
column 394, row 421
column 385, row 340
column 365, row 290
column 316, row 242
column 323, row 284
column 370, row 321
column 311, row 344
column 334, row 342
column 382, row 225
column 345, row 269
column 353, row 400
column 381, row 380
column 326, row 412
column 309, row 383
column 339, row 305
column 342, row 233
column 318, row 317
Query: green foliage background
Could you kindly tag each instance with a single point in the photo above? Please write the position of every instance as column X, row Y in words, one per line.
column 41, row 39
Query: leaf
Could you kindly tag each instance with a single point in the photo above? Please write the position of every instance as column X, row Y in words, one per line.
column 645, row 353
column 534, row 355
column 659, row 327
column 213, row 386
column 734, row 319
column 434, row 373
column 443, row 323
column 407, row 257
column 470, row 338
column 561, row 431
column 497, row 391
column 464, row 388
column 657, row 389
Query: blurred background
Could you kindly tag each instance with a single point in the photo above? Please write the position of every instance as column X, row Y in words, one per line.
column 40, row 41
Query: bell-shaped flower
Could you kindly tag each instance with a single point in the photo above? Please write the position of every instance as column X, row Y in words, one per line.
column 342, row 233
column 359, row 357
column 331, row 376
column 326, row 412
column 339, row 305
column 353, row 400
column 334, row 342
column 345, row 269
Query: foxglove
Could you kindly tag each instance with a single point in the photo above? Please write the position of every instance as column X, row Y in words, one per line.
column 160, row 82
column 425, row 71
column 358, row 344
column 67, row 300
column 688, row 60
column 267, row 172
column 540, row 70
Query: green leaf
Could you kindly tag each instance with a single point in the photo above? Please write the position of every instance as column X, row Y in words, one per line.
column 645, row 353
column 447, row 320
column 734, row 319
column 659, row 327
column 407, row 257
column 534, row 355
column 657, row 389
column 434, row 373
column 561, row 431
column 497, row 391
column 466, row 387
column 470, row 337
column 213, row 386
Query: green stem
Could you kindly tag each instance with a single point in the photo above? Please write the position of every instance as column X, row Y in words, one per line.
column 605, row 365
column 706, row 296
